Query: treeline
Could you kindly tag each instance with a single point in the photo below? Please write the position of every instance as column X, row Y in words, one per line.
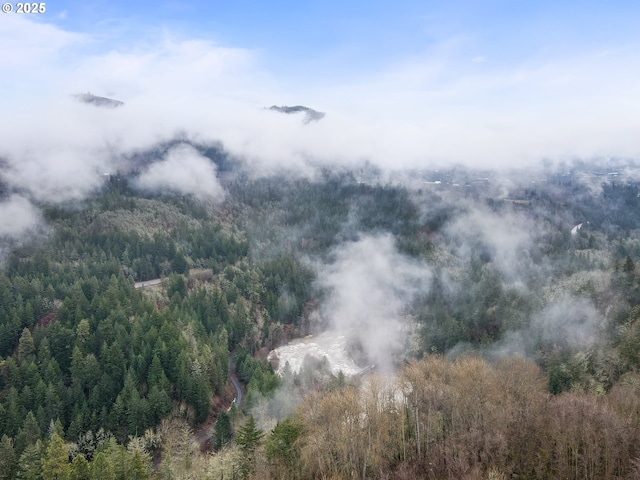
column 312, row 216
column 95, row 457
column 465, row 419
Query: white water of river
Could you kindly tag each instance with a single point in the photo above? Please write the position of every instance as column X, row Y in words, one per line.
column 331, row 345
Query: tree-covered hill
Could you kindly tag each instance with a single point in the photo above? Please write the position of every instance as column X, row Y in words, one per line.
column 88, row 359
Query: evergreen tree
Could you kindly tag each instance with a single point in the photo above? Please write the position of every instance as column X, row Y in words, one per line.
column 200, row 397
column 281, row 447
column 25, row 345
column 55, row 427
column 3, row 414
column 14, row 412
column 101, row 468
column 176, row 286
column 55, row 463
column 629, row 266
column 79, row 468
column 159, row 404
column 222, row 431
column 179, row 264
column 156, row 376
column 30, row 463
column 29, row 433
column 137, row 469
column 248, row 438
column 8, row 462
column 83, row 333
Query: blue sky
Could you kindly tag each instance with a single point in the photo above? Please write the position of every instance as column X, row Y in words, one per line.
column 361, row 35
column 490, row 83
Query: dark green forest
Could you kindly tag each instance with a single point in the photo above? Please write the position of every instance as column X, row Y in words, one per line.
column 101, row 379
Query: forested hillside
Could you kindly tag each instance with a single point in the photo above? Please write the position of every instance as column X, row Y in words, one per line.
column 496, row 319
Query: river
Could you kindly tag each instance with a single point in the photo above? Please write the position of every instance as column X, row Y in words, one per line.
column 329, row 345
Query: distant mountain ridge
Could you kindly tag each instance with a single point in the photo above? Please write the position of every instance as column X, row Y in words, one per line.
column 311, row 115
column 98, row 101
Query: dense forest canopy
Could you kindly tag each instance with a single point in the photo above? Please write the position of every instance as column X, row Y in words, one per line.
column 495, row 316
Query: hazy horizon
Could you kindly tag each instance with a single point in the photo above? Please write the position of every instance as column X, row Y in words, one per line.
column 422, row 86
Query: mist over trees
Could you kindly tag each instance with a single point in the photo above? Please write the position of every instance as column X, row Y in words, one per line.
column 502, row 308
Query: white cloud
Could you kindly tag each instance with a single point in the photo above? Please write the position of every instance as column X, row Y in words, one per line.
column 185, row 171
column 26, row 43
column 427, row 110
column 17, row 216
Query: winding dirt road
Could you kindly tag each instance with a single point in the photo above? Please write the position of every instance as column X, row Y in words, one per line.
column 203, row 435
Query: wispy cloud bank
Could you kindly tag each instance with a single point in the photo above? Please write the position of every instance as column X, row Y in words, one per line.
column 370, row 286
column 429, row 109
column 183, row 170
column 505, row 238
column 17, row 216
